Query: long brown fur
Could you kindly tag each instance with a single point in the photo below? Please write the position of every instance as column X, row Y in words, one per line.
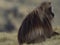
column 37, row 27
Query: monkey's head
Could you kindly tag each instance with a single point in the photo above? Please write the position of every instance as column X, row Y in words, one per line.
column 47, row 9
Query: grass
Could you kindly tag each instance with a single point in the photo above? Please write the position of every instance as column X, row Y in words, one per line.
column 8, row 38
column 11, row 39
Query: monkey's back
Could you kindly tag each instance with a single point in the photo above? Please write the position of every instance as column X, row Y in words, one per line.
column 31, row 24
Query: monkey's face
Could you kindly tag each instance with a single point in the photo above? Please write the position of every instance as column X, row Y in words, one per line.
column 47, row 9
column 49, row 13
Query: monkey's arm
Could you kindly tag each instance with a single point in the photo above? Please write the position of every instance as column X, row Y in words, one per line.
column 55, row 33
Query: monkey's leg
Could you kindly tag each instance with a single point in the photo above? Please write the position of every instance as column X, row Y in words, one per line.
column 38, row 39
